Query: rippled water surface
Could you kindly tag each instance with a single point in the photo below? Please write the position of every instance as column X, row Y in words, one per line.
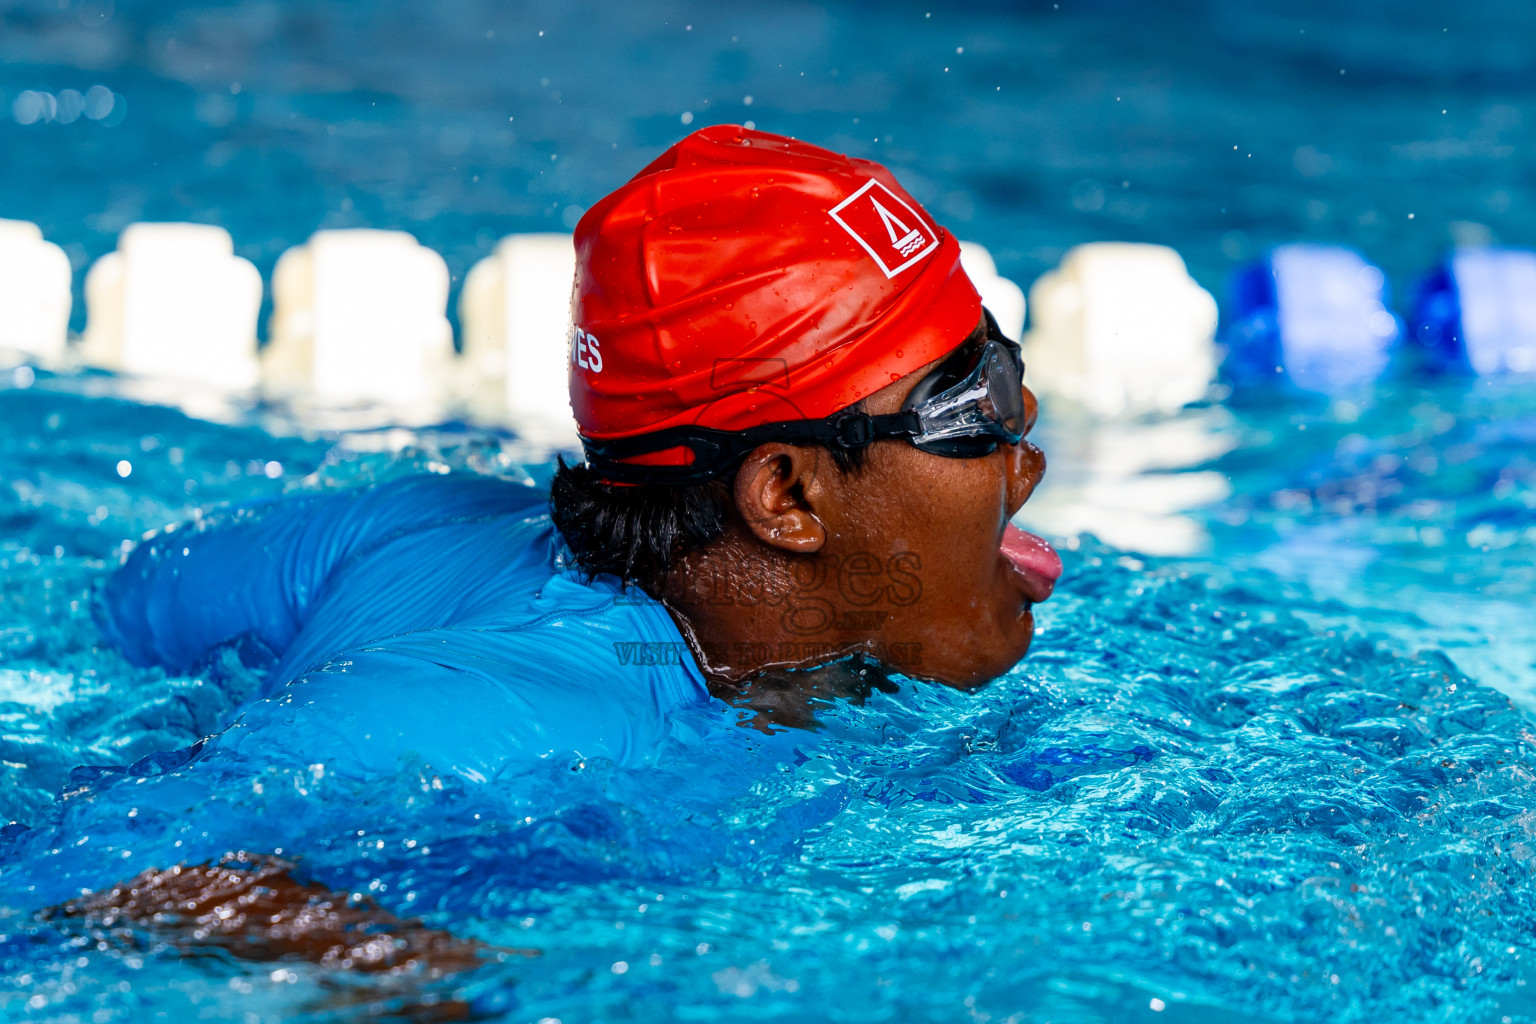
column 1267, row 781
column 1271, row 757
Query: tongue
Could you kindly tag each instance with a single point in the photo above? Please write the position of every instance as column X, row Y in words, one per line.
column 1034, row 557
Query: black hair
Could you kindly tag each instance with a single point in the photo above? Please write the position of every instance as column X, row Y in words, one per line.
column 638, row 532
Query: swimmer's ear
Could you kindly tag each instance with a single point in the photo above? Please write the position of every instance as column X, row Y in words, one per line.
column 776, row 490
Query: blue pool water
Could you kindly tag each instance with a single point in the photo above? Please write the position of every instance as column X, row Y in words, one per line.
column 1285, row 778
column 1267, row 782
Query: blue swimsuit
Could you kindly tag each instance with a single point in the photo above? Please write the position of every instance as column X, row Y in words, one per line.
column 432, row 618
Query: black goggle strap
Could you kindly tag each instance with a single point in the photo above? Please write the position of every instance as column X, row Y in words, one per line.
column 716, row 451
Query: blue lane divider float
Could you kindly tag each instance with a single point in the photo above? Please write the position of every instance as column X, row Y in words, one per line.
column 1310, row 316
column 1476, row 313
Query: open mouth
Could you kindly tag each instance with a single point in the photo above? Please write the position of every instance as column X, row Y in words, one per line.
column 1034, row 559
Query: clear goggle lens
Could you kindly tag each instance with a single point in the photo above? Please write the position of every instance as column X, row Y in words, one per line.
column 983, row 409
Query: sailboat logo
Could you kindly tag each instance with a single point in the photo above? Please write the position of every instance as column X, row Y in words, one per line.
column 890, row 230
column 911, row 238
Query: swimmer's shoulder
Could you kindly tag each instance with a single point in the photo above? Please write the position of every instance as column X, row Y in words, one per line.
column 587, row 678
column 260, row 570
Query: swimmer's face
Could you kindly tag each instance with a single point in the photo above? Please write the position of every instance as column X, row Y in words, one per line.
column 909, row 546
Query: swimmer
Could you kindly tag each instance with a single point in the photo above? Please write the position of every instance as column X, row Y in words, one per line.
column 803, row 433
column 805, row 441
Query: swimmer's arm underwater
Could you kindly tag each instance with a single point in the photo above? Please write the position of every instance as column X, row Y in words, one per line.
column 253, row 908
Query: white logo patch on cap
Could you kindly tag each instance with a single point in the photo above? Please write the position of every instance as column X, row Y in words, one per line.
column 888, row 229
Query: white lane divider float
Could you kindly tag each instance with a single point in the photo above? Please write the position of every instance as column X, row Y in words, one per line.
column 515, row 311
column 1000, row 295
column 1123, row 329
column 174, row 303
column 34, row 293
column 360, row 316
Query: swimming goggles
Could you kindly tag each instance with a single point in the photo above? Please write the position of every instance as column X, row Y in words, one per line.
column 966, row 407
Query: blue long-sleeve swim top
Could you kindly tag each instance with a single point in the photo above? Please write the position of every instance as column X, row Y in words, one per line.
column 435, row 618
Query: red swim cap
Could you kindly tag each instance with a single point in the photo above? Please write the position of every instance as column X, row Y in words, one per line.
column 746, row 278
